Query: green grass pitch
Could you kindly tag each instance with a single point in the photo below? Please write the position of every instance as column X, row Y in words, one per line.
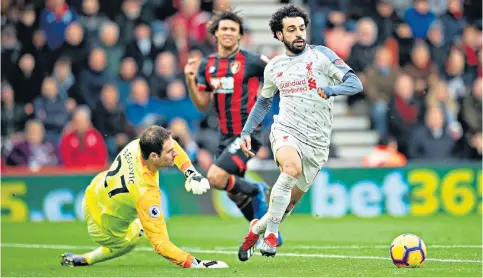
column 348, row 246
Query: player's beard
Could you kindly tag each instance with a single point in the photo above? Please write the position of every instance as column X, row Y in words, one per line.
column 295, row 49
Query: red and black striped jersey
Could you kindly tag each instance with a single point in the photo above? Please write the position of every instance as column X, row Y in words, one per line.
column 235, row 82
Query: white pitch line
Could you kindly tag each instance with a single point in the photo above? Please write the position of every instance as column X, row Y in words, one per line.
column 321, row 247
column 199, row 250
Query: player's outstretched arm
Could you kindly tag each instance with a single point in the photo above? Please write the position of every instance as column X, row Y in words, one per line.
column 195, row 182
column 154, row 226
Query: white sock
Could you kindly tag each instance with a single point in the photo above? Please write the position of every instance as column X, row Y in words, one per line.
column 261, row 225
column 279, row 201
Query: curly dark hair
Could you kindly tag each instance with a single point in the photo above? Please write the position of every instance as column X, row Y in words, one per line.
column 289, row 10
column 224, row 15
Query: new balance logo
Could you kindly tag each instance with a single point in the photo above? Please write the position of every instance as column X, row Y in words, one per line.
column 312, row 84
column 279, row 74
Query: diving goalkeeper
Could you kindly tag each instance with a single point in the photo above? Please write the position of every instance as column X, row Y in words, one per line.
column 123, row 203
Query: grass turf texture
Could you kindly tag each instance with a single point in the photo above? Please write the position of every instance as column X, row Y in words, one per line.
column 348, row 246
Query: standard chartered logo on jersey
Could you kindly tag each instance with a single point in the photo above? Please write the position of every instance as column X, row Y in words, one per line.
column 417, row 191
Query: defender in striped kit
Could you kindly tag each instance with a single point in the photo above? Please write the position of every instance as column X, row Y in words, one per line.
column 231, row 77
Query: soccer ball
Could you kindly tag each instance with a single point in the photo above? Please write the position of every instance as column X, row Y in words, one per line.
column 408, row 250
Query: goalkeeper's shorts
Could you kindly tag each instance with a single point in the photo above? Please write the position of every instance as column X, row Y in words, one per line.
column 105, row 238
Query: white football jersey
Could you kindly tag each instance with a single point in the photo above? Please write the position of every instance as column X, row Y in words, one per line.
column 303, row 113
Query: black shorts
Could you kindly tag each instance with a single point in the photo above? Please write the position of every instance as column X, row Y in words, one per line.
column 230, row 156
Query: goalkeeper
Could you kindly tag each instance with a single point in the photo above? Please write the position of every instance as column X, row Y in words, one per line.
column 123, row 203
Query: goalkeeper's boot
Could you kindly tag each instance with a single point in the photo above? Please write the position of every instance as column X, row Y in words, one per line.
column 268, row 248
column 209, row 264
column 259, row 201
column 69, row 259
column 247, row 249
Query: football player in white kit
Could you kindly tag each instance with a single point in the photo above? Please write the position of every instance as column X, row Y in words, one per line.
column 307, row 78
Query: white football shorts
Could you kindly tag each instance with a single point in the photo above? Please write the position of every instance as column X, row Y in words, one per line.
column 313, row 159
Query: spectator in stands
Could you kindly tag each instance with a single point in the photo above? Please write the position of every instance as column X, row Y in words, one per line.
column 110, row 119
column 11, row 50
column 421, row 69
column 453, row 21
column 27, row 25
column 109, row 42
column 81, row 144
column 52, row 110
column 66, row 82
column 337, row 37
column 403, row 112
column 419, row 17
column 130, row 12
column 76, row 47
column 14, row 115
column 385, row 154
column 471, row 109
column 378, row 87
column 470, row 44
column 479, row 70
column 142, row 49
column 127, row 74
column 165, row 72
column 453, row 74
column 141, row 106
column 432, row 140
column 181, row 133
column 319, row 11
column 437, row 47
column 192, row 19
column 26, row 79
column 401, row 44
column 54, row 19
column 439, row 96
column 184, row 43
column 43, row 55
column 180, row 105
column 363, row 51
column 93, row 79
column 91, row 19
column 386, row 20
column 35, row 151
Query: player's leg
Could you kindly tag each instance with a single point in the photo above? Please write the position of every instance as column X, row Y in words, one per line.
column 115, row 247
column 261, row 225
column 290, row 164
column 313, row 160
column 110, row 247
column 227, row 174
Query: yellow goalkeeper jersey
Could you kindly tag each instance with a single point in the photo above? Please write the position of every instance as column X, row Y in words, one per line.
column 129, row 190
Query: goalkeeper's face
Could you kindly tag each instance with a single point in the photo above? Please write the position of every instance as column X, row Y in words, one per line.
column 294, row 34
column 167, row 155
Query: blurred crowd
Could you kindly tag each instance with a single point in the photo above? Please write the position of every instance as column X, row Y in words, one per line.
column 81, row 78
column 420, row 64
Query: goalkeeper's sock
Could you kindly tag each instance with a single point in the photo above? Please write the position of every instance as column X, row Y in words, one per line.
column 279, row 201
column 102, row 254
column 238, row 185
